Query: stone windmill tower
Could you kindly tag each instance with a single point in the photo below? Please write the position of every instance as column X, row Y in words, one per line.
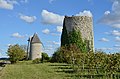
column 34, row 47
column 83, row 24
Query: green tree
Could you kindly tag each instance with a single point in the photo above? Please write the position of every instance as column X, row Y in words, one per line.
column 58, row 56
column 45, row 57
column 36, row 61
column 15, row 53
column 74, row 56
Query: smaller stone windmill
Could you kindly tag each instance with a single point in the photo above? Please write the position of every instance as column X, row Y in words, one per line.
column 34, row 47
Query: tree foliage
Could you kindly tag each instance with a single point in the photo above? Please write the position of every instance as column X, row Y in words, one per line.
column 36, row 61
column 45, row 57
column 15, row 53
column 98, row 61
column 58, row 56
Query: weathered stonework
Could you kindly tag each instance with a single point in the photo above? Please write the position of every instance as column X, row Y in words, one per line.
column 35, row 47
column 35, row 51
column 84, row 24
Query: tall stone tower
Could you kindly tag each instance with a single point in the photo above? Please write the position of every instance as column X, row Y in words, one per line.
column 83, row 24
column 34, row 47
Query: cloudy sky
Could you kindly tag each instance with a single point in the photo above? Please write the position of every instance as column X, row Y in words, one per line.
column 20, row 19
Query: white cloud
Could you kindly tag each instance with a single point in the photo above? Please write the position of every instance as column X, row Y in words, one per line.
column 12, row 1
column 55, row 34
column 116, row 25
column 59, row 29
column 104, row 40
column 116, row 45
column 84, row 13
column 117, row 39
column 48, row 47
column 9, row 45
column 56, row 43
column 6, row 5
column 46, row 31
column 107, row 13
column 115, row 32
column 24, row 1
column 112, row 18
column 51, row 18
column 17, row 35
column 117, row 49
column 28, row 19
column 1, row 50
column 116, row 6
column 105, row 48
column 107, row 33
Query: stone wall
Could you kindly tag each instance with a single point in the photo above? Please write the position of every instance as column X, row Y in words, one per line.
column 35, row 51
column 84, row 24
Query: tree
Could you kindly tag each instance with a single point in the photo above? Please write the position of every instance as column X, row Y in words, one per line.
column 24, row 47
column 15, row 53
column 58, row 56
column 36, row 61
column 45, row 57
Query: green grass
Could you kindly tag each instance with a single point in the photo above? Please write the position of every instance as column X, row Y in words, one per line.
column 27, row 70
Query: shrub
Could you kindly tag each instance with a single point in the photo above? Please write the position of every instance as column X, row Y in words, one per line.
column 66, row 54
column 45, row 57
column 58, row 56
column 36, row 61
column 16, row 53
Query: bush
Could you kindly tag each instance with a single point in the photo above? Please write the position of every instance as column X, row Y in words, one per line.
column 58, row 56
column 45, row 57
column 16, row 53
column 66, row 54
column 36, row 61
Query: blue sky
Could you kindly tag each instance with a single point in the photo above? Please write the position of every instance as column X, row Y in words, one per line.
column 20, row 19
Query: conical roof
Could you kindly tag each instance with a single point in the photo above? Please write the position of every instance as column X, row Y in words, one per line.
column 35, row 39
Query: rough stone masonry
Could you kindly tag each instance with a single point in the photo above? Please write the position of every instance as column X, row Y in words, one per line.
column 84, row 24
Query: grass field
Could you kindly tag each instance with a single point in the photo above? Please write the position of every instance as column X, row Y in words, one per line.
column 27, row 70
